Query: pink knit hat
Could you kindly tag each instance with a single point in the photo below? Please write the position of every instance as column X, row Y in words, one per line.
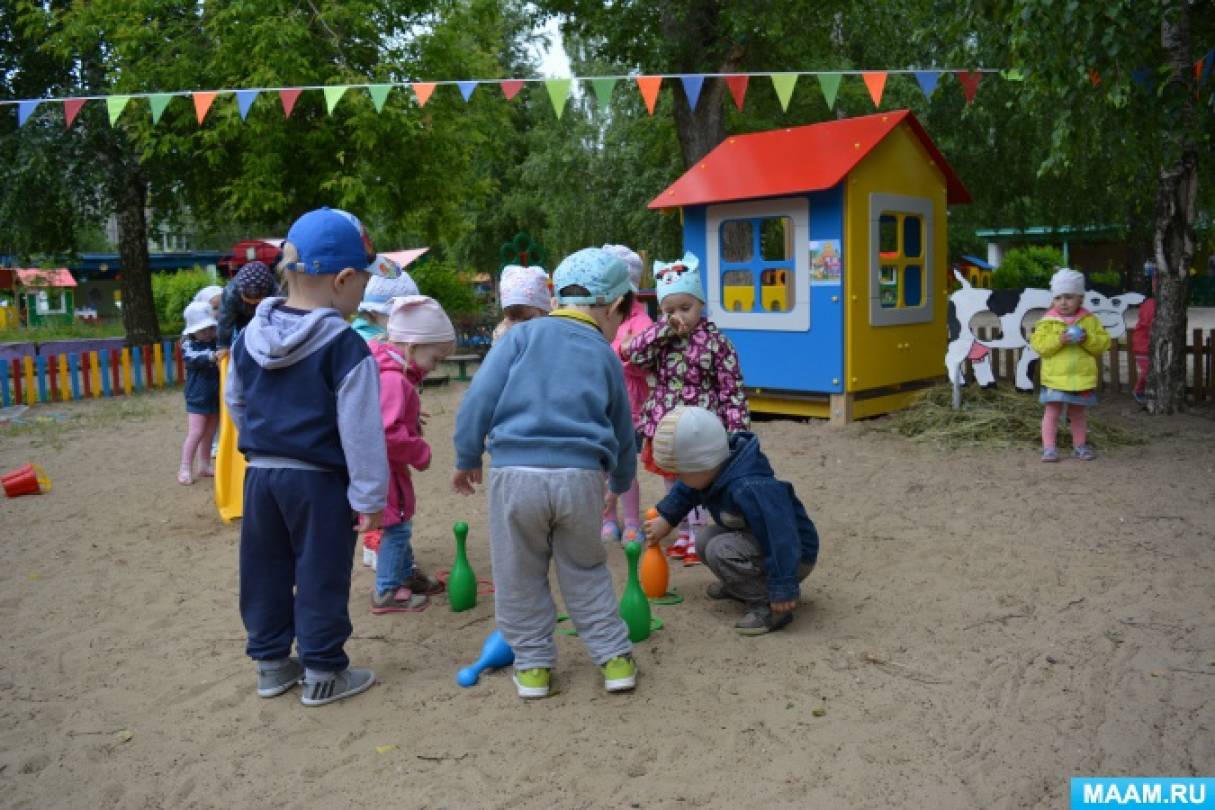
column 418, row 319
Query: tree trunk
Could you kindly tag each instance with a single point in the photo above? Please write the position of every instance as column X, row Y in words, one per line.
column 138, row 309
column 1175, row 215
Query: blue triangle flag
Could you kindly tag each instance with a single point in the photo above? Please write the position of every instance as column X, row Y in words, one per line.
column 1208, row 62
column 928, row 80
column 691, row 88
column 244, row 100
column 24, row 110
column 466, row 89
column 1142, row 77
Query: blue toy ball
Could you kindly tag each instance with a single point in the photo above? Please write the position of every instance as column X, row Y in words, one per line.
column 1075, row 333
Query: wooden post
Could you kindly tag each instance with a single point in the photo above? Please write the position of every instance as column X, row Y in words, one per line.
column 52, row 377
column 1132, row 369
column 127, row 387
column 1116, row 366
column 1199, row 365
column 104, row 357
column 5, row 396
column 16, row 366
column 841, row 408
column 137, row 366
column 156, row 371
column 95, row 374
column 86, row 376
column 31, row 394
column 115, row 372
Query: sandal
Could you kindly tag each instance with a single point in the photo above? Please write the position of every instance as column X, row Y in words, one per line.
column 184, row 478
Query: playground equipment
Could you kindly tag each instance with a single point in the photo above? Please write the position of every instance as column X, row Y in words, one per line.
column 634, row 607
column 229, row 461
column 495, row 654
column 461, row 582
column 825, row 260
column 28, row 479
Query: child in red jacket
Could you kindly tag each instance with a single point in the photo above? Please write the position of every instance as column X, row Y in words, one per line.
column 1141, row 342
column 420, row 335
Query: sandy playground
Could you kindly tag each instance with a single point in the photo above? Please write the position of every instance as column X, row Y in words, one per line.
column 981, row 627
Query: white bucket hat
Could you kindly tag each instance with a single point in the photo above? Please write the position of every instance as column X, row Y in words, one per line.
column 690, row 439
column 1066, row 281
column 380, row 291
column 198, row 317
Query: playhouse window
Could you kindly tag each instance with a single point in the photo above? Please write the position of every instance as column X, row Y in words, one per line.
column 766, row 257
column 900, row 248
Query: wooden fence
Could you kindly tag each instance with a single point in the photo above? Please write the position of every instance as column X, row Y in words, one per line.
column 1118, row 370
column 88, row 375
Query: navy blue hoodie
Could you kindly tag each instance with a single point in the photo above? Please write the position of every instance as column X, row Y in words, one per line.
column 746, row 496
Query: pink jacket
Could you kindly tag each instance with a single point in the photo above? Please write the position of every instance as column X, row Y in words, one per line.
column 1141, row 338
column 636, row 378
column 400, row 407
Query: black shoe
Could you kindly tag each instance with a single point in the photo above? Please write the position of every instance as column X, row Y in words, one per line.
column 762, row 620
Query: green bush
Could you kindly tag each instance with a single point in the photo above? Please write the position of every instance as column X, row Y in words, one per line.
column 172, row 291
column 1106, row 278
column 1027, row 267
column 447, row 285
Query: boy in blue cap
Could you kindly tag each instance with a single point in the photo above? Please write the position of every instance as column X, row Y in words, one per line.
column 304, row 392
column 551, row 400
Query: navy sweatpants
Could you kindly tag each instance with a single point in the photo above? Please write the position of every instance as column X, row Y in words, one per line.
column 296, row 552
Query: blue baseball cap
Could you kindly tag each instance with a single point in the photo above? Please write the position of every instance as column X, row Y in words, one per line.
column 327, row 241
column 604, row 276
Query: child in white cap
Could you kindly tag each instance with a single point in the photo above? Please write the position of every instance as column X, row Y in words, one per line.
column 637, row 381
column 372, row 320
column 1069, row 339
column 524, row 293
column 694, row 364
column 761, row 543
column 549, row 404
column 420, row 335
column 202, row 389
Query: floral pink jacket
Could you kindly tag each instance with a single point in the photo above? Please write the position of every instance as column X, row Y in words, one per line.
column 700, row 369
column 400, row 408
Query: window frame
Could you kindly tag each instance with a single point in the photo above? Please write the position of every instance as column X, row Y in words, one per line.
column 895, row 204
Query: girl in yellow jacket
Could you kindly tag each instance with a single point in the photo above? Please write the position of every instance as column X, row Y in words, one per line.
column 1069, row 339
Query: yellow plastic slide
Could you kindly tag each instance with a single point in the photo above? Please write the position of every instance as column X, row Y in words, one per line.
column 229, row 462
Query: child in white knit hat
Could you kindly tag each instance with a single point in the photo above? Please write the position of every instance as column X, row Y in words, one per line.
column 372, row 320
column 524, row 293
column 761, row 543
column 420, row 335
column 1069, row 339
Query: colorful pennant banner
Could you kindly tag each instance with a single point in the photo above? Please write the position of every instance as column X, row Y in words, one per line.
column 830, row 84
column 783, row 83
column 738, row 89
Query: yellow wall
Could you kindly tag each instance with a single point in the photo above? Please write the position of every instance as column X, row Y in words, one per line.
column 877, row 356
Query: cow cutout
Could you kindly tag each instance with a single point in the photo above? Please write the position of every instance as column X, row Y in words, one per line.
column 1014, row 308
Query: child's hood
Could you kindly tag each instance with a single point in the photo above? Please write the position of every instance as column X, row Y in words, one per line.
column 387, row 359
column 277, row 338
column 745, row 461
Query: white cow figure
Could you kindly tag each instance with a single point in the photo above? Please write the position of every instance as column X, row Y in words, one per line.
column 1011, row 308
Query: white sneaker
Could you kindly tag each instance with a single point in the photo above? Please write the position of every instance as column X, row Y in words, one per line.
column 369, row 558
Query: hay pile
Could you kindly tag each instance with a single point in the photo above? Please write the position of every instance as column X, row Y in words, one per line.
column 997, row 417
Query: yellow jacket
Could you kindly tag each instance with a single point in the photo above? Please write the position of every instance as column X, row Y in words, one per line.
column 1069, row 367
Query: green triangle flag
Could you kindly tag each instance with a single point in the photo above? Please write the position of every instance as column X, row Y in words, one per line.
column 158, row 103
column 1013, row 75
column 830, row 82
column 603, row 91
column 784, row 82
column 558, row 92
column 333, row 94
column 379, row 94
column 115, row 105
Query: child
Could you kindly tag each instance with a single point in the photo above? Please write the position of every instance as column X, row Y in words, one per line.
column 1070, row 339
column 637, row 382
column 304, row 392
column 420, row 335
column 252, row 283
column 761, row 544
column 550, row 397
column 372, row 320
column 202, row 390
column 211, row 295
column 1141, row 343
column 525, row 294
column 694, row 364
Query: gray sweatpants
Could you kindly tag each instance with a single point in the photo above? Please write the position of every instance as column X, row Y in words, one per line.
column 736, row 558
column 540, row 514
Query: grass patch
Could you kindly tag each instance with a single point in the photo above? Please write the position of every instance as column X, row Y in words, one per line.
column 996, row 417
column 76, row 330
column 49, row 425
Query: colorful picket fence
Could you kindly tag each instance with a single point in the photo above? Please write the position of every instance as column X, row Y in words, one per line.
column 89, row 375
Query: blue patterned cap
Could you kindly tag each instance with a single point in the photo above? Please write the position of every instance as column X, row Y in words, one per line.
column 603, row 275
column 679, row 276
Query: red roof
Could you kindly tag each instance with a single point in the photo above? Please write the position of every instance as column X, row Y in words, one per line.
column 35, row 277
column 780, row 162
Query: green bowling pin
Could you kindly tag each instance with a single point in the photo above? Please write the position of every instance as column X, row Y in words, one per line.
column 634, row 607
column 462, row 582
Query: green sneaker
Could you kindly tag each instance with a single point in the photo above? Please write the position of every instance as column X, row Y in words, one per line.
column 533, row 683
column 619, row 674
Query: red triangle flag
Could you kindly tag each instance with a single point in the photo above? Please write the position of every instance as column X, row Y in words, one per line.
column 1094, row 77
column 71, row 108
column 875, row 80
column 738, row 89
column 649, row 86
column 288, row 96
column 202, row 103
column 970, row 83
column 422, row 91
column 511, row 88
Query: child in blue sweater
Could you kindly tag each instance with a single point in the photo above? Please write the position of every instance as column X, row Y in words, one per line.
column 552, row 402
column 761, row 544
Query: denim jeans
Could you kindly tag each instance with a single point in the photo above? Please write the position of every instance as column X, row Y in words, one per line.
column 394, row 561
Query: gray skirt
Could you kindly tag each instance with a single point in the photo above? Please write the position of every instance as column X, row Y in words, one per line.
column 1086, row 398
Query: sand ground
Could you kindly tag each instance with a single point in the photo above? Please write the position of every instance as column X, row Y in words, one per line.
column 980, row 628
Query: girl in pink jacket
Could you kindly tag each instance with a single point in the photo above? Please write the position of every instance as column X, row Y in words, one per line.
column 420, row 335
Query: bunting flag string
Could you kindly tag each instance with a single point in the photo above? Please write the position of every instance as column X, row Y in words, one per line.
column 560, row 89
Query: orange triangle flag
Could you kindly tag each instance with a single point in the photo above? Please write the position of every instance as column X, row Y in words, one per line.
column 738, row 89
column 202, row 103
column 875, row 80
column 649, row 86
column 422, row 91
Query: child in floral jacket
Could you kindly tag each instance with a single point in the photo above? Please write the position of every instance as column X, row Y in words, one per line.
column 694, row 364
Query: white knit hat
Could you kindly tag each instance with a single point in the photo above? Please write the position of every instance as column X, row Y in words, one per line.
column 380, row 290
column 1066, row 282
column 690, row 439
column 198, row 316
column 419, row 319
column 525, row 286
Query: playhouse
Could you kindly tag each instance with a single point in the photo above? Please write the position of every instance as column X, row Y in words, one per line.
column 42, row 296
column 823, row 254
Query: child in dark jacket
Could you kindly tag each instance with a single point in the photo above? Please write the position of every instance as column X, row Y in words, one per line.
column 761, row 544
column 202, row 390
column 252, row 283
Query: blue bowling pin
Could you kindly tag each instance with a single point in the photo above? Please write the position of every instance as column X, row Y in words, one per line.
column 495, row 653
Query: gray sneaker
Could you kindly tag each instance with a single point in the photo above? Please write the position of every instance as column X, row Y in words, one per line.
column 347, row 683
column 762, row 620
column 273, row 681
